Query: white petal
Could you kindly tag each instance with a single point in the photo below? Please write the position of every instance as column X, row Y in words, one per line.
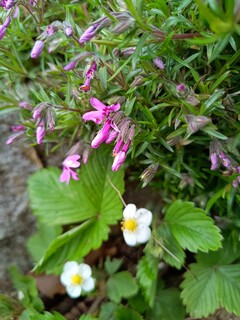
column 129, row 211
column 143, row 234
column 84, row 270
column 144, row 216
column 71, row 266
column 88, row 284
column 65, row 278
column 130, row 238
column 74, row 291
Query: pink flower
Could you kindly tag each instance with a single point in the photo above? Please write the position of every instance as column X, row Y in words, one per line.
column 102, row 135
column 120, row 156
column 103, row 111
column 86, row 86
column 67, row 173
column 40, row 133
column 118, row 160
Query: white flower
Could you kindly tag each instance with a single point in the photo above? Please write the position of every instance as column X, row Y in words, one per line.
column 77, row 278
column 135, row 225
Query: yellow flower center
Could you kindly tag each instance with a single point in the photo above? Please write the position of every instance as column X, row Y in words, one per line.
column 130, row 225
column 76, row 279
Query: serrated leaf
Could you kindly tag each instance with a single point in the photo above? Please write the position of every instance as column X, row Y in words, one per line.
column 206, row 289
column 192, row 228
column 55, row 203
column 147, row 271
column 174, row 255
column 167, row 306
column 124, row 313
column 121, row 285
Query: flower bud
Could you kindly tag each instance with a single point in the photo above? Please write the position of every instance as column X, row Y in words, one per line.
column 159, row 63
column 40, row 133
column 118, row 160
column 2, row 31
column 68, row 31
column 37, row 49
column 196, row 122
column 71, row 65
column 6, row 23
column 9, row 4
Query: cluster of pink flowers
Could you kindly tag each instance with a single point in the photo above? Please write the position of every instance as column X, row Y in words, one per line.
column 48, row 33
column 115, row 127
column 8, row 5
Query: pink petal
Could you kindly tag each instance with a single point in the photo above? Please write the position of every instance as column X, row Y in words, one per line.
column 95, row 116
column 115, row 107
column 65, row 176
column 73, row 175
column 97, row 104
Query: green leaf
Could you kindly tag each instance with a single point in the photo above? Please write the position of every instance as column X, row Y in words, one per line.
column 112, row 266
column 87, row 317
column 27, row 286
column 103, row 76
column 124, row 313
column 147, row 271
column 121, row 285
column 107, row 311
column 192, row 228
column 167, row 306
column 74, row 244
column 174, row 255
column 207, row 288
column 92, row 196
column 38, row 243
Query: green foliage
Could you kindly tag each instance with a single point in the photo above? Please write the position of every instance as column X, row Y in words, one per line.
column 39, row 242
column 147, row 271
column 213, row 282
column 192, row 228
column 167, row 305
column 92, row 196
column 121, row 285
column 123, row 313
column 177, row 132
column 27, row 287
column 112, row 266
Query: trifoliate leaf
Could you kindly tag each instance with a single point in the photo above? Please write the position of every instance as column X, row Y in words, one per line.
column 121, row 285
column 192, row 228
column 92, row 196
column 147, row 271
column 207, row 288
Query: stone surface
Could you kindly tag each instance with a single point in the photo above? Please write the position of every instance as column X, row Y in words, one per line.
column 16, row 221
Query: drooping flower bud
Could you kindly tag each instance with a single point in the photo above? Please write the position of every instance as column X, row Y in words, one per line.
column 37, row 49
column 149, row 173
column 40, row 133
column 7, row 22
column 196, row 122
column 2, row 31
column 159, row 63
column 71, row 65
